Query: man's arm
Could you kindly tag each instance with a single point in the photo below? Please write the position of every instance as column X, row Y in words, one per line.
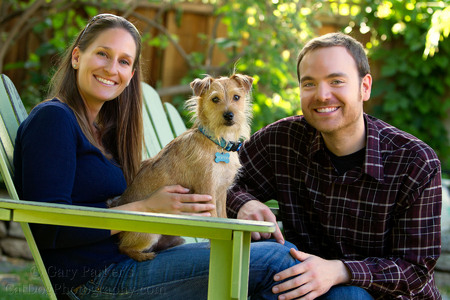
column 408, row 270
column 416, row 241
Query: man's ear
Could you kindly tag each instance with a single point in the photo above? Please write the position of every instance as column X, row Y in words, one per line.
column 366, row 87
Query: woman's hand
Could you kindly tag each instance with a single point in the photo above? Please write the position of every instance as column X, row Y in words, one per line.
column 176, row 199
column 173, row 199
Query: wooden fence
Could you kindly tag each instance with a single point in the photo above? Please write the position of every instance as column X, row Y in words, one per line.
column 163, row 66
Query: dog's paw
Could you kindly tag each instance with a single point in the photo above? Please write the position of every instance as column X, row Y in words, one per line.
column 140, row 256
column 113, row 202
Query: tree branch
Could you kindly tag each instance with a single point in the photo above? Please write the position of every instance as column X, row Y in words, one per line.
column 16, row 29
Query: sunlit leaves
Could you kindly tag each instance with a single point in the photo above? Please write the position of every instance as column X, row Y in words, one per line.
column 440, row 29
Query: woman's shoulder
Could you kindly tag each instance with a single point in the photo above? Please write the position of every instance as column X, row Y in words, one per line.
column 51, row 115
column 51, row 111
column 52, row 106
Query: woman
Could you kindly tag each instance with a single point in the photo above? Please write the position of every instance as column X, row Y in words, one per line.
column 82, row 148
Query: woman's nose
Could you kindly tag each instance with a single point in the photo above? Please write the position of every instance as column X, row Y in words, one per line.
column 111, row 67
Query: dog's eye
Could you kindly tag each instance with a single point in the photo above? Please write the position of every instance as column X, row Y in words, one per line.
column 236, row 97
column 215, row 99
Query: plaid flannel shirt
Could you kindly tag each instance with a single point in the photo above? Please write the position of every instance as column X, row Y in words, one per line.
column 382, row 219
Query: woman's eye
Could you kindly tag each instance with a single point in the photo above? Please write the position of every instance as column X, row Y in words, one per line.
column 236, row 97
column 215, row 99
column 125, row 62
column 101, row 53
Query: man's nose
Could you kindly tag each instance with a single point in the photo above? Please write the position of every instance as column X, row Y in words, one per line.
column 323, row 92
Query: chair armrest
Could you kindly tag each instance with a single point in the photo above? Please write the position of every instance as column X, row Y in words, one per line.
column 81, row 216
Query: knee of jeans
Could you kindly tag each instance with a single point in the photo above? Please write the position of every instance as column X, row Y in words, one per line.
column 346, row 292
column 290, row 245
column 273, row 254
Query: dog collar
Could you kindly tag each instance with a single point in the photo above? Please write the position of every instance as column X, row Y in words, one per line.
column 228, row 146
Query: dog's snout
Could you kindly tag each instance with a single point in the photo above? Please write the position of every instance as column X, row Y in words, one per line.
column 228, row 116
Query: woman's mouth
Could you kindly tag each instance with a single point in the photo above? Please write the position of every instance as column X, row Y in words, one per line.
column 105, row 81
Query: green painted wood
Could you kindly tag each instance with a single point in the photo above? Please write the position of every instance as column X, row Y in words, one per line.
column 12, row 113
column 60, row 214
column 175, row 119
column 151, row 142
column 157, row 114
column 20, row 112
column 38, row 260
column 219, row 285
column 239, row 271
column 5, row 214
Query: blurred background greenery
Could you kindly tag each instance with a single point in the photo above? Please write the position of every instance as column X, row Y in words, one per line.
column 406, row 40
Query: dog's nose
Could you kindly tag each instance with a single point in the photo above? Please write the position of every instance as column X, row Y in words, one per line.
column 228, row 116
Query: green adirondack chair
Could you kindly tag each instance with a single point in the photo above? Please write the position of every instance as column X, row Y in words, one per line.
column 160, row 126
column 230, row 239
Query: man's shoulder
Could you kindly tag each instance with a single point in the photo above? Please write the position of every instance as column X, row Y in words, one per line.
column 394, row 141
column 285, row 125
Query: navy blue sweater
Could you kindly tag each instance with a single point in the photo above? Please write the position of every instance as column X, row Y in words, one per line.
column 54, row 162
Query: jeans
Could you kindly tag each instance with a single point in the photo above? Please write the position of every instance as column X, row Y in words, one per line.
column 347, row 293
column 182, row 273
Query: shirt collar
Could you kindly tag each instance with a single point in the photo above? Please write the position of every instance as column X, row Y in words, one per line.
column 373, row 164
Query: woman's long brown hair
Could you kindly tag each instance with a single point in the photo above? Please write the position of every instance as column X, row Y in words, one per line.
column 120, row 120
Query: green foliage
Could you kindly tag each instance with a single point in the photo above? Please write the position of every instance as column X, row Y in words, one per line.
column 263, row 40
column 414, row 80
column 55, row 31
column 409, row 40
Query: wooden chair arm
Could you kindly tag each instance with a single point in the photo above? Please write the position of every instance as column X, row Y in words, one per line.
column 81, row 216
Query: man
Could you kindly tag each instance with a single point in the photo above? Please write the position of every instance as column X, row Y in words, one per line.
column 359, row 198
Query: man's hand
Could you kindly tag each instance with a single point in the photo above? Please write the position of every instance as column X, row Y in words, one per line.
column 311, row 278
column 255, row 210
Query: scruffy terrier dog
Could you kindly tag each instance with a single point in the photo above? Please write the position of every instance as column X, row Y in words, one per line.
column 202, row 159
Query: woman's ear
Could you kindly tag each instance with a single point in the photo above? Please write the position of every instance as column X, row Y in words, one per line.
column 76, row 58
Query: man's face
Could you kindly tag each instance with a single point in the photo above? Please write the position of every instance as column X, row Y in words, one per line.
column 332, row 93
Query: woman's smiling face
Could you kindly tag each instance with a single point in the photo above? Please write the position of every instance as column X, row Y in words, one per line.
column 105, row 68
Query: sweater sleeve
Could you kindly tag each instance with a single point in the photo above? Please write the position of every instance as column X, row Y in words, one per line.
column 46, row 147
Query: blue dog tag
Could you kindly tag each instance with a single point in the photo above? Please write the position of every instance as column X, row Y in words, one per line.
column 225, row 157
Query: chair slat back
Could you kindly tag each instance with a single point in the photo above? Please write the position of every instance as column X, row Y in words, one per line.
column 175, row 119
column 155, row 109
column 12, row 113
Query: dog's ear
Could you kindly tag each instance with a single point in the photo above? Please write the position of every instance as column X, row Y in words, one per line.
column 244, row 80
column 199, row 86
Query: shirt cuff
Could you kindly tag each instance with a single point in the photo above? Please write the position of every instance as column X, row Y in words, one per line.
column 236, row 201
column 361, row 275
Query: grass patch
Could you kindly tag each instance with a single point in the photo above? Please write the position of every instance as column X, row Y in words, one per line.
column 23, row 283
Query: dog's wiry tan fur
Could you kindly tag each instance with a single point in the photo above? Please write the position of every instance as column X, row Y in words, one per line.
column 222, row 107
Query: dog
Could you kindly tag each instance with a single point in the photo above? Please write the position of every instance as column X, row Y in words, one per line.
column 203, row 159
